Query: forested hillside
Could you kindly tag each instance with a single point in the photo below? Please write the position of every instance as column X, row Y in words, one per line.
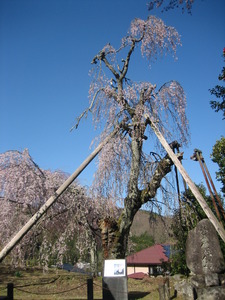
column 156, row 226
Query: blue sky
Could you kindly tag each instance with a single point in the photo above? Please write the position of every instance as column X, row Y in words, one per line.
column 46, row 48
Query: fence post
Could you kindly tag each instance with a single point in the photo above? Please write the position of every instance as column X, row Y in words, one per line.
column 164, row 290
column 90, row 288
column 10, row 291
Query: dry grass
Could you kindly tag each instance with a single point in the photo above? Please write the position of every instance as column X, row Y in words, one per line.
column 59, row 284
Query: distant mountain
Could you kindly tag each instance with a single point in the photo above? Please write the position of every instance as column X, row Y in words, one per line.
column 156, row 226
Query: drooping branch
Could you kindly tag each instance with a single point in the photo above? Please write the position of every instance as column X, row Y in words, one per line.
column 85, row 112
column 171, row 4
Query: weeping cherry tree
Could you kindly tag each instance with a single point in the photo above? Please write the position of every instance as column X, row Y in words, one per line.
column 67, row 231
column 125, row 169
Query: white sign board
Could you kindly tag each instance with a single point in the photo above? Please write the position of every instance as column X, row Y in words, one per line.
column 115, row 268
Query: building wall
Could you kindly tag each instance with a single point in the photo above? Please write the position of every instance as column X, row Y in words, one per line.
column 137, row 269
column 148, row 269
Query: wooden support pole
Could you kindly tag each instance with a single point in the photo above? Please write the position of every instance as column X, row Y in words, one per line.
column 214, row 189
column 199, row 158
column 186, row 177
column 23, row 231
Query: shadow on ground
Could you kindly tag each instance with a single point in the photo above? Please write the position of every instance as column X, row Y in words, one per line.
column 137, row 295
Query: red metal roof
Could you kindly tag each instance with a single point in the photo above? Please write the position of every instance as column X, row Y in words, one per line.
column 154, row 255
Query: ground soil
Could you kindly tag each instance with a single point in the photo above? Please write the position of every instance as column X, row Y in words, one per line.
column 33, row 283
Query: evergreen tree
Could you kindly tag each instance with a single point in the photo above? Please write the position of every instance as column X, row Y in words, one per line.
column 219, row 92
column 218, row 156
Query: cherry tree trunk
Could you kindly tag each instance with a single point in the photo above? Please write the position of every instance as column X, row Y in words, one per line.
column 115, row 233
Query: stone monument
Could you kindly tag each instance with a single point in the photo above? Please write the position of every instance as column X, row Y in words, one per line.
column 205, row 260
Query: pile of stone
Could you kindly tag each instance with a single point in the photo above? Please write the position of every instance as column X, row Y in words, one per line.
column 205, row 260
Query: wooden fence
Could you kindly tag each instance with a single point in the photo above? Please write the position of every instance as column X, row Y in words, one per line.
column 163, row 290
column 11, row 287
